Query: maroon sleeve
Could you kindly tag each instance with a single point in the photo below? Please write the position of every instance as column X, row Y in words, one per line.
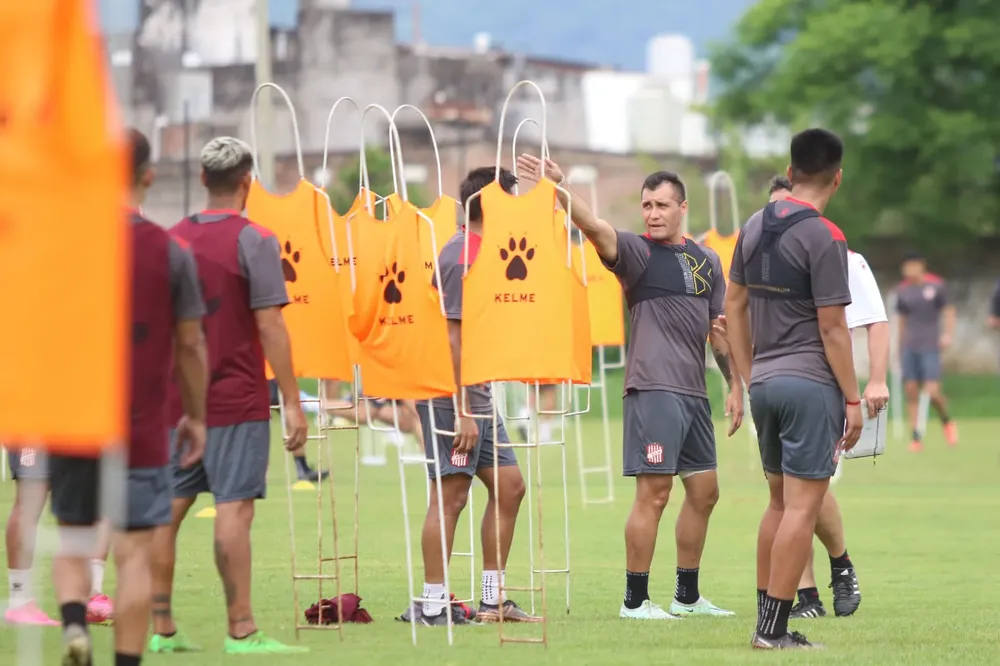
column 633, row 257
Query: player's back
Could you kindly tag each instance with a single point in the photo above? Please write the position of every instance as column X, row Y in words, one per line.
column 793, row 261
column 237, row 385
column 153, row 255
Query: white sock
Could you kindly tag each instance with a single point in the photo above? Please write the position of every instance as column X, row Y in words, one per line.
column 96, row 577
column 20, row 587
column 434, row 591
column 492, row 582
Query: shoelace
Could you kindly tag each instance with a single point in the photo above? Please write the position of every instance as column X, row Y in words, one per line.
column 843, row 586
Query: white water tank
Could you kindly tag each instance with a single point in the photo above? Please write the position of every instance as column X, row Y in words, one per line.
column 670, row 56
column 482, row 42
column 655, row 118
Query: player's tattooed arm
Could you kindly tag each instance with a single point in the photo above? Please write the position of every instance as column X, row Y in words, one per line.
column 722, row 360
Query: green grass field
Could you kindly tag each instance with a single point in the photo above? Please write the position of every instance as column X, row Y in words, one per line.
column 921, row 528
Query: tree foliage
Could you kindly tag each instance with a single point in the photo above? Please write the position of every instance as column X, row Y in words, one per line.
column 344, row 188
column 911, row 86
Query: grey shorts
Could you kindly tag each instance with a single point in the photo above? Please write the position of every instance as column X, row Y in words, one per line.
column 920, row 366
column 234, row 467
column 464, row 463
column 76, row 489
column 666, row 433
column 28, row 464
column 799, row 423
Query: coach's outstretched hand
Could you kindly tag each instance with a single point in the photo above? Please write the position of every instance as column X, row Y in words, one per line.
column 296, row 426
column 191, row 438
column 466, row 434
column 530, row 168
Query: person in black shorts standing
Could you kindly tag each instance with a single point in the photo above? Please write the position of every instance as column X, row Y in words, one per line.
column 789, row 282
column 675, row 291
column 167, row 308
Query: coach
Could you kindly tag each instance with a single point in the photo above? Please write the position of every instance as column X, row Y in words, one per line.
column 674, row 288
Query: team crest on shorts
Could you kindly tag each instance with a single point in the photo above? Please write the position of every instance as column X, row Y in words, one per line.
column 654, row 454
column 27, row 458
column 459, row 459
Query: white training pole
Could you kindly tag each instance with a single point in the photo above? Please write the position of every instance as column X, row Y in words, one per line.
column 568, row 394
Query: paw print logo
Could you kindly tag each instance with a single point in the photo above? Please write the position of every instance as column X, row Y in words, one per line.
column 516, row 254
column 391, row 279
column 140, row 332
column 289, row 257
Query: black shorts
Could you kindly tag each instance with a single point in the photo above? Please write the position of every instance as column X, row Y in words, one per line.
column 76, row 494
column 666, row 433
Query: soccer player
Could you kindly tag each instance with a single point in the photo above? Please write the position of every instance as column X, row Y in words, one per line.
column 922, row 302
column 28, row 470
column 166, row 330
column 867, row 311
column 790, row 270
column 675, row 289
column 240, row 268
column 470, row 453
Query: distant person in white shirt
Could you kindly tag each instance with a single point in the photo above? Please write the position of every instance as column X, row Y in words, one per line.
column 866, row 310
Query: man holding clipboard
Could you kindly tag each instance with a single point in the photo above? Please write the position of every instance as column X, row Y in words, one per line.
column 866, row 310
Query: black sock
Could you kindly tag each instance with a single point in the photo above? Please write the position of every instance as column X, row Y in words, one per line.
column 127, row 659
column 636, row 589
column 841, row 563
column 808, row 594
column 686, row 591
column 302, row 465
column 916, row 435
column 761, row 595
column 774, row 619
column 170, row 635
column 74, row 613
column 945, row 418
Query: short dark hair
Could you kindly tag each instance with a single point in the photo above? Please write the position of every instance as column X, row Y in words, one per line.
column 140, row 154
column 476, row 180
column 655, row 180
column 913, row 256
column 778, row 183
column 816, row 155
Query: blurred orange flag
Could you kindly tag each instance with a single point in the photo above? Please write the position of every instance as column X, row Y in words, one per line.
column 64, row 254
column 724, row 246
